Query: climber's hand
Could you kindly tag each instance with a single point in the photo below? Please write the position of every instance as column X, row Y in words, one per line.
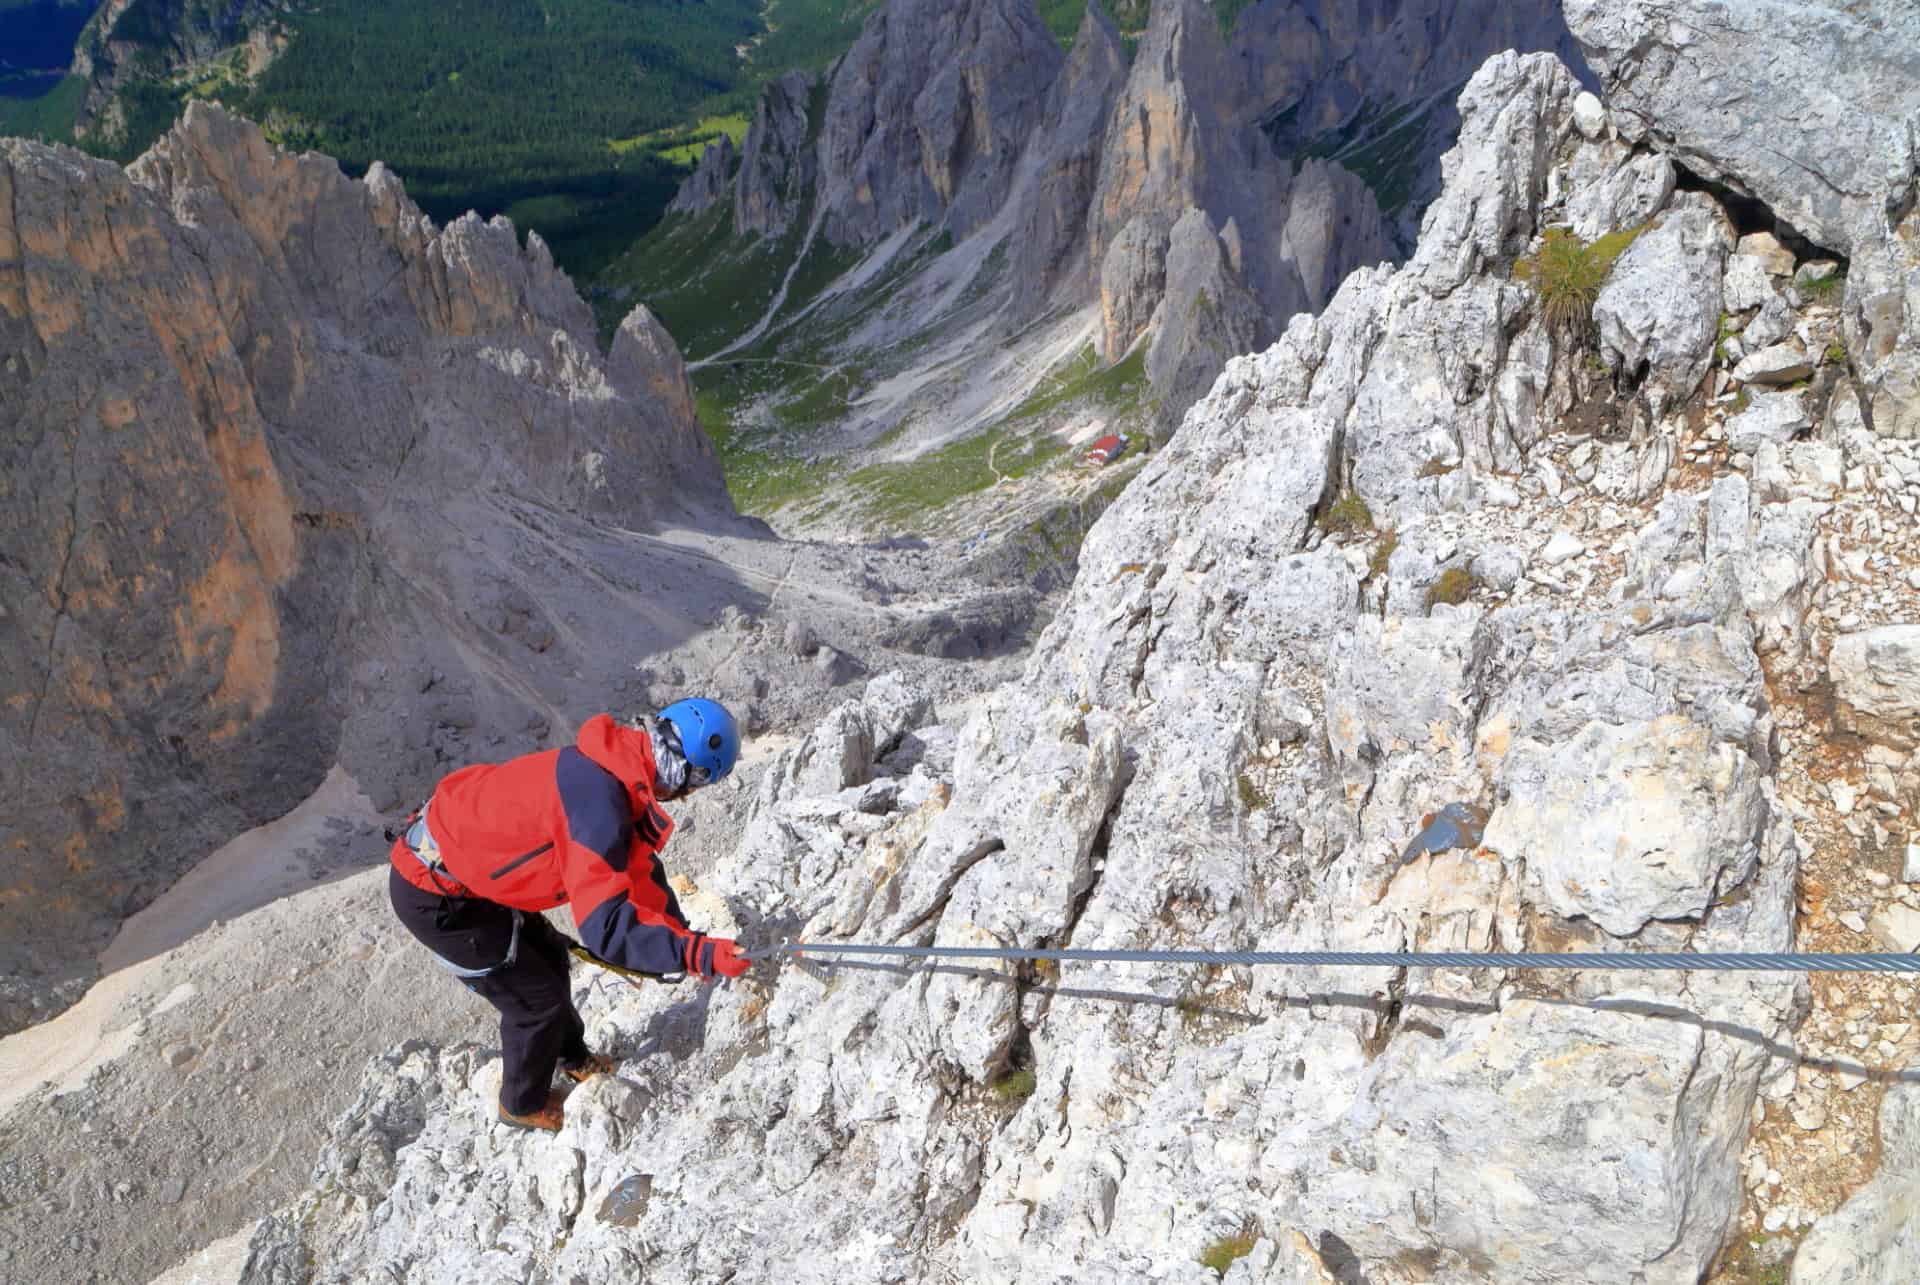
column 725, row 960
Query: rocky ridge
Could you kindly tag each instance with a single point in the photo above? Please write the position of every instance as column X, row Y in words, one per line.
column 1598, row 587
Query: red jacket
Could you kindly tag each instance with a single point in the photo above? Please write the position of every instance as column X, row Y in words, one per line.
column 578, row 825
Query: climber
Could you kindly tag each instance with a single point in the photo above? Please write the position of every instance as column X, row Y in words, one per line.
column 497, row 843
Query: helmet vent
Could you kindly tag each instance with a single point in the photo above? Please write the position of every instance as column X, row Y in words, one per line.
column 713, row 742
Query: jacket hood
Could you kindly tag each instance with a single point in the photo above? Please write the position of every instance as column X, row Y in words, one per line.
column 626, row 753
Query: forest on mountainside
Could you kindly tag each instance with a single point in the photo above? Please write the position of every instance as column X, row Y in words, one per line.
column 575, row 117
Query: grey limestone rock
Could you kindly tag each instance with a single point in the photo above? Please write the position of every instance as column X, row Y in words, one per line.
column 1635, row 190
column 1782, row 363
column 1874, row 1238
column 707, row 186
column 1658, row 314
column 1515, row 114
column 927, row 114
column 776, row 163
column 1819, row 127
column 1205, row 315
column 1815, row 126
column 1876, row 677
column 1626, row 824
column 1051, row 247
column 1773, row 323
column 1770, row 417
column 1224, row 738
column 1748, row 284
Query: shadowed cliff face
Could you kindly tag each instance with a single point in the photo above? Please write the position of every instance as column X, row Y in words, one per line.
column 251, row 412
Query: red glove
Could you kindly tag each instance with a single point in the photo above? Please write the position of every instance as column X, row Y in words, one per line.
column 727, row 959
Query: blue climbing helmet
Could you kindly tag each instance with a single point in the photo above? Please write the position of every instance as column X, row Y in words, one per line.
column 708, row 737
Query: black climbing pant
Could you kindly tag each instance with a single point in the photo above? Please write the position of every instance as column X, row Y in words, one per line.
column 539, row 1027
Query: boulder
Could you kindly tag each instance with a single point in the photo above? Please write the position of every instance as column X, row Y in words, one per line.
column 1764, row 248
column 1779, row 364
column 1625, row 824
column 1876, row 684
column 1632, row 193
column 1659, row 310
column 1819, row 130
column 1748, row 283
column 1589, row 116
column 1770, row 417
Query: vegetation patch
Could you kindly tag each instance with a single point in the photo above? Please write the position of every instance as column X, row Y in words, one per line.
column 1252, row 797
column 1222, row 1254
column 706, row 285
column 1120, row 386
column 1825, row 289
column 1567, row 273
column 1382, row 553
column 47, row 116
column 760, row 477
column 1742, row 1264
column 901, row 494
column 683, row 144
column 1347, row 516
column 1381, row 148
column 1836, row 353
column 1455, row 586
column 1013, row 1088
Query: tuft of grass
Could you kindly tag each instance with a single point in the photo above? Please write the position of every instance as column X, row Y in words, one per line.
column 1348, row 515
column 1744, row 400
column 1013, row 1088
column 1252, row 797
column 1228, row 1250
column 1836, row 353
column 1826, row 289
column 1455, row 586
column 1567, row 273
column 1383, row 553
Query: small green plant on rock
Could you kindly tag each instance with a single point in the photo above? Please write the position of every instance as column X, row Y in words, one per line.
column 1348, row 515
column 1836, row 353
column 1567, row 273
column 1455, row 586
column 1228, row 1250
column 1744, row 400
column 1013, row 1088
column 1252, row 797
column 1383, row 553
column 1825, row 289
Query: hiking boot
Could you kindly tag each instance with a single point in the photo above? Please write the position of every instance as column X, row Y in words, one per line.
column 548, row 1117
column 594, row 1064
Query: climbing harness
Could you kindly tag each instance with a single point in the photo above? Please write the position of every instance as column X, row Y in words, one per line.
column 1649, row 961
column 426, row 850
